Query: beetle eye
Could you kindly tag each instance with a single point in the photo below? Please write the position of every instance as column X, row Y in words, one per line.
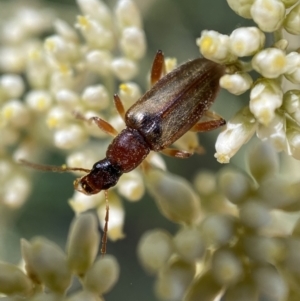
column 83, row 186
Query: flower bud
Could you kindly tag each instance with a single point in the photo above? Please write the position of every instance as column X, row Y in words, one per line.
column 97, row 10
column 174, row 196
column 46, row 263
column 238, row 131
column 236, row 186
column 262, row 161
column 293, row 64
column 39, row 100
column 268, row 14
column 246, row 41
column 99, row 61
column 203, row 288
column 189, row 244
column 246, row 291
column 70, row 136
column 215, row 46
column 66, row 31
column 217, row 229
column 173, row 280
column 14, row 112
column 270, row 283
column 127, row 14
column 13, row 281
column 129, row 92
column 133, row 43
column 102, row 276
column 263, row 249
column 131, row 186
column 254, row 214
column 154, row 249
column 11, row 86
column 293, row 140
column 95, row 97
column 57, row 117
column 226, row 267
column 292, row 20
column 237, row 83
column 241, row 7
column 265, row 98
column 83, row 243
column 124, row 69
column 270, row 62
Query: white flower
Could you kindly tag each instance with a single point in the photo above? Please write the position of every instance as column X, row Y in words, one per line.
column 265, row 97
column 268, row 14
column 124, row 69
column 246, row 41
column 215, row 46
column 270, row 62
column 237, row 83
column 238, row 131
column 96, row 97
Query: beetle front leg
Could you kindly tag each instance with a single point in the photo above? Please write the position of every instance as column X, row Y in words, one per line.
column 119, row 106
column 158, row 67
column 205, row 126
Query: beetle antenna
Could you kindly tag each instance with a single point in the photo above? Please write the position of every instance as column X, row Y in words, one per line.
column 42, row 167
column 104, row 237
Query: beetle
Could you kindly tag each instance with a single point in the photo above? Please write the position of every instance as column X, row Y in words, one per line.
column 174, row 105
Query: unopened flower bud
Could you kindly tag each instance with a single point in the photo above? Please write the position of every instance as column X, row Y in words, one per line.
column 124, row 69
column 217, row 229
column 127, row 14
column 189, row 244
column 95, row 97
column 215, row 46
column 102, row 276
column 265, row 98
column 270, row 62
column 292, row 21
column 237, row 83
column 83, row 243
column 204, row 287
column 270, row 282
column 293, row 64
column 133, row 43
column 268, row 14
column 70, row 136
column 99, row 61
column 154, row 249
column 262, row 161
column 174, row 279
column 226, row 267
column 46, row 263
column 235, row 185
column 13, row 281
column 129, row 92
column 14, row 112
column 174, row 196
column 241, row 7
column 66, row 31
column 11, row 86
column 246, row 41
column 39, row 100
column 238, row 131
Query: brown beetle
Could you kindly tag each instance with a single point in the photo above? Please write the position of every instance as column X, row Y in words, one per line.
column 174, row 105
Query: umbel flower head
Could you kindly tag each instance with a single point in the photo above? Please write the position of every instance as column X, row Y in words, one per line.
column 277, row 65
column 241, row 245
column 49, row 271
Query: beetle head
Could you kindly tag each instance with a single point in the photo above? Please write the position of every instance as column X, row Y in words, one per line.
column 102, row 176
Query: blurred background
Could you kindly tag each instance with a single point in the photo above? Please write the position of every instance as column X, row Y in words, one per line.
column 170, row 25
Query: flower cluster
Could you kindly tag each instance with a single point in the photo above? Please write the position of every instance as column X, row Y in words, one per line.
column 48, row 271
column 274, row 108
column 238, row 246
column 73, row 72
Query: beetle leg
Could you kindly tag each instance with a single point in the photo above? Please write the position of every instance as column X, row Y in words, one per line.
column 158, row 67
column 173, row 152
column 119, row 106
column 204, row 126
column 104, row 126
column 105, row 229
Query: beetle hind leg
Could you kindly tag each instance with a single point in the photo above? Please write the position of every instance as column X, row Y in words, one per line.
column 173, row 152
column 205, row 126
